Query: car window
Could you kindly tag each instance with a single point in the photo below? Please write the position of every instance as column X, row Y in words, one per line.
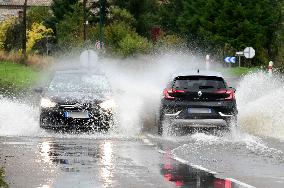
column 79, row 83
column 199, row 82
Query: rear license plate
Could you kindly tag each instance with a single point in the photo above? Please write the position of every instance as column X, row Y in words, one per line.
column 199, row 110
column 79, row 115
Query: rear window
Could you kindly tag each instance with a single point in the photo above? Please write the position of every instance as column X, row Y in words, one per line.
column 199, row 82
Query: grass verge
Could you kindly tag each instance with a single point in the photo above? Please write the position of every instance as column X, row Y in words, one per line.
column 17, row 77
column 238, row 71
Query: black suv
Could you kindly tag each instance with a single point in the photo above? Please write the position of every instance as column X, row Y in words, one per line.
column 198, row 99
column 76, row 99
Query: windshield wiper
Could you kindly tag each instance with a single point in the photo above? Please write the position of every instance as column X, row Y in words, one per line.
column 206, row 87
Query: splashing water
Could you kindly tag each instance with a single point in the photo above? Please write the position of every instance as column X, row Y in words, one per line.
column 261, row 105
column 17, row 118
column 140, row 81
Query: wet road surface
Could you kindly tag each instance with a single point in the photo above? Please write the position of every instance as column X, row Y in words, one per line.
column 97, row 162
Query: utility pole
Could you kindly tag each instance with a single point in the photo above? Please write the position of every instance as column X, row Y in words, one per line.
column 85, row 19
column 24, row 40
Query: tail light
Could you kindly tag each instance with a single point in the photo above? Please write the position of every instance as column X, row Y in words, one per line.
column 168, row 92
column 229, row 92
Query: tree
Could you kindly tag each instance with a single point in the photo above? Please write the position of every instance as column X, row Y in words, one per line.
column 70, row 28
column 39, row 15
column 124, row 41
column 144, row 11
column 213, row 24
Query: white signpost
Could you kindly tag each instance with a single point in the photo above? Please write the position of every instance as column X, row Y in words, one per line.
column 248, row 52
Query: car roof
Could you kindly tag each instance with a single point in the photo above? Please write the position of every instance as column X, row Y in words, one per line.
column 197, row 73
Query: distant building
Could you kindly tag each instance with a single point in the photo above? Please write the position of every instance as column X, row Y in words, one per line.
column 9, row 8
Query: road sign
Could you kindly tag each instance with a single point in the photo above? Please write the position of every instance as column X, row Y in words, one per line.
column 249, row 52
column 99, row 45
column 239, row 53
column 230, row 59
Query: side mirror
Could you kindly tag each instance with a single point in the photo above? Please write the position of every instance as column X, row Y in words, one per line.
column 234, row 89
column 38, row 90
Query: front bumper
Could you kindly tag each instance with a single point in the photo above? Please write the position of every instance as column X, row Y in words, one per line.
column 56, row 117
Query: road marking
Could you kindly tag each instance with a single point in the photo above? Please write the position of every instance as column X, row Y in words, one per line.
column 240, row 183
column 199, row 167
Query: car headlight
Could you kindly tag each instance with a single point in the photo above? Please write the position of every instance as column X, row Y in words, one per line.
column 108, row 104
column 47, row 103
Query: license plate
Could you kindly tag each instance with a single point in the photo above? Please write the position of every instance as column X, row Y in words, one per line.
column 199, row 110
column 79, row 115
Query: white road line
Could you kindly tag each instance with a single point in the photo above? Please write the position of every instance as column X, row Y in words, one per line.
column 148, row 142
column 240, row 183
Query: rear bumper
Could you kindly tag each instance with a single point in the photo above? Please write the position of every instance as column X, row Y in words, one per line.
column 56, row 118
column 219, row 113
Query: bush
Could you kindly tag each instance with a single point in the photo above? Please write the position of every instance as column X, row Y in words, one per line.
column 4, row 28
column 37, row 33
column 123, row 40
column 170, row 42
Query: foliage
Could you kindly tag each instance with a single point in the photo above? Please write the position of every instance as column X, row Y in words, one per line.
column 123, row 40
column 4, row 28
column 144, row 12
column 70, row 28
column 62, row 7
column 122, row 15
column 171, row 42
column 38, row 15
column 210, row 24
column 37, row 32
column 3, row 184
column 14, row 37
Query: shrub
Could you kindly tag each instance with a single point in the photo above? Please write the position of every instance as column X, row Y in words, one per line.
column 4, row 28
column 37, row 32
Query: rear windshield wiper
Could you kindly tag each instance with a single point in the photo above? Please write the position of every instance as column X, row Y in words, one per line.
column 206, row 87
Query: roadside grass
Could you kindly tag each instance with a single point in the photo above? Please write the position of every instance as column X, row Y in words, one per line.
column 238, row 71
column 3, row 184
column 17, row 77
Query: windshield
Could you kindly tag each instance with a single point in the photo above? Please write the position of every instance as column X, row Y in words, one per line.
column 79, row 83
column 199, row 82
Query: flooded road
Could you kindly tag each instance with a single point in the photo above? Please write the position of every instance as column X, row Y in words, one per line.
column 110, row 162
column 132, row 155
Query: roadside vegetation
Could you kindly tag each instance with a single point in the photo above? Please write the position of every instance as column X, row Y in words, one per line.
column 3, row 184
column 131, row 27
column 17, row 77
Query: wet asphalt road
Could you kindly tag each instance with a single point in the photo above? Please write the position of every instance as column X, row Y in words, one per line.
column 97, row 162
column 145, row 161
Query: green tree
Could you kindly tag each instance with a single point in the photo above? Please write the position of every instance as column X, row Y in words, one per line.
column 70, row 28
column 144, row 11
column 39, row 15
column 213, row 24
